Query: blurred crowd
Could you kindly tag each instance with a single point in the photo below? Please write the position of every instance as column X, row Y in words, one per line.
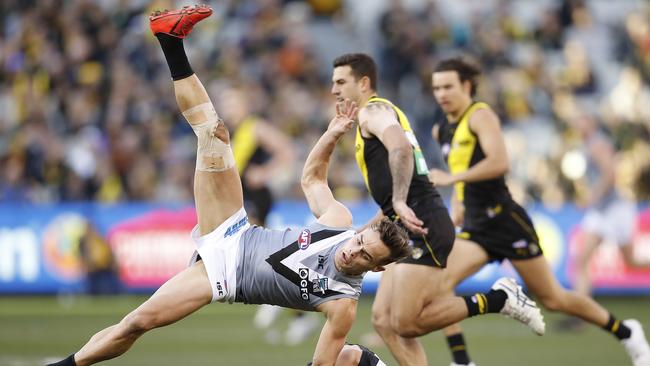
column 87, row 110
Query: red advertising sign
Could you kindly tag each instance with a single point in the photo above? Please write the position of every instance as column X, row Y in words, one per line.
column 154, row 247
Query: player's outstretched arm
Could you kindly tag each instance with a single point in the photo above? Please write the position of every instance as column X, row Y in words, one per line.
column 340, row 317
column 321, row 201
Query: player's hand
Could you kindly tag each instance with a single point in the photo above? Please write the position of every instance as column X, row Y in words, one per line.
column 408, row 218
column 441, row 178
column 346, row 116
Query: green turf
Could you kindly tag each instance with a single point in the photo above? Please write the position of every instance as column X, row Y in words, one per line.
column 33, row 328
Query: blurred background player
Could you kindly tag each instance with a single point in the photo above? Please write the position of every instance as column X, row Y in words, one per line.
column 610, row 216
column 264, row 154
column 98, row 263
column 494, row 226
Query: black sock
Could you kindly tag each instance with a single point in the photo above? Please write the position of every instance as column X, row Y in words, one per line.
column 175, row 55
column 458, row 349
column 617, row 328
column 491, row 302
column 67, row 362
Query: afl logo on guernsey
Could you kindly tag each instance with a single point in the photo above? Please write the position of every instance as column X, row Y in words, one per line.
column 304, row 239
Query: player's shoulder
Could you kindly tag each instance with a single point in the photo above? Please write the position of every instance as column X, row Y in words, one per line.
column 483, row 115
column 482, row 109
column 377, row 106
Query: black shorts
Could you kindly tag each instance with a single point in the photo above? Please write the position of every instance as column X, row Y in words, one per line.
column 508, row 235
column 432, row 249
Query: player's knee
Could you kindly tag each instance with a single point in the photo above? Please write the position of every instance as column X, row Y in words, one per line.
column 213, row 151
column 348, row 356
column 137, row 323
column 406, row 326
column 381, row 322
column 552, row 302
column 408, row 330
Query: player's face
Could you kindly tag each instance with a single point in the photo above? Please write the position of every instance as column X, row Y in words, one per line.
column 450, row 93
column 363, row 252
column 344, row 86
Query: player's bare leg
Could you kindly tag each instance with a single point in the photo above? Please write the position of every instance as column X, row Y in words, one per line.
column 407, row 351
column 631, row 260
column 217, row 187
column 537, row 275
column 431, row 308
column 217, row 192
column 583, row 281
column 182, row 295
column 539, row 279
column 465, row 259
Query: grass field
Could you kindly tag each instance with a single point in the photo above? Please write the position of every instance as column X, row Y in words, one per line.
column 35, row 328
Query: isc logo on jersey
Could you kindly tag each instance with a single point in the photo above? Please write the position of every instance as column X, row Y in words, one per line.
column 304, row 239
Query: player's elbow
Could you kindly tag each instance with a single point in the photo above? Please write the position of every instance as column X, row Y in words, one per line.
column 309, row 179
column 502, row 167
column 309, row 187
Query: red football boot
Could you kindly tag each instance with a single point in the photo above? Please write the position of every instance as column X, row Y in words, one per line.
column 178, row 23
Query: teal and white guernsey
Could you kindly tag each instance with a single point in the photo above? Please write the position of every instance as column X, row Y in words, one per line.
column 293, row 268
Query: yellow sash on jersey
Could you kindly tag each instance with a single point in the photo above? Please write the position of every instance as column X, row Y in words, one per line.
column 244, row 143
column 462, row 147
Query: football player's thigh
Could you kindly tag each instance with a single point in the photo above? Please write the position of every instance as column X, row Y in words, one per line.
column 414, row 286
column 465, row 259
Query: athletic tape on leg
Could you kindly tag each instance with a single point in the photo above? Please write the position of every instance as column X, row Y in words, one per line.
column 212, row 154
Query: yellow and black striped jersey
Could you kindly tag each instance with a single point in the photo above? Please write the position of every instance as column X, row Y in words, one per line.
column 246, row 148
column 462, row 150
column 372, row 159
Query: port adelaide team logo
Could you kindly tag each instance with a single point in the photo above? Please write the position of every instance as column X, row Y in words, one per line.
column 304, row 239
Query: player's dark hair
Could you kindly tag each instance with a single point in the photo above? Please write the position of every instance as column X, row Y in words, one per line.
column 361, row 65
column 396, row 239
column 466, row 69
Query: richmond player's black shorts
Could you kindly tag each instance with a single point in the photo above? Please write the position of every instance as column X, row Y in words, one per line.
column 509, row 234
column 432, row 249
